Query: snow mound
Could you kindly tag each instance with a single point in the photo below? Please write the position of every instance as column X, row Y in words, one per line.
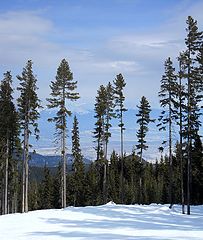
column 110, row 203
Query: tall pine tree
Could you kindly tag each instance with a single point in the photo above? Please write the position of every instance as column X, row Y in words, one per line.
column 143, row 121
column 167, row 96
column 62, row 89
column 193, row 43
column 28, row 105
column 119, row 84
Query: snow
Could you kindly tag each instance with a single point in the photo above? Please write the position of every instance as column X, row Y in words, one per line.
column 110, row 221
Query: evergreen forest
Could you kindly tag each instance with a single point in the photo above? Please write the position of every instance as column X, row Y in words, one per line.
column 175, row 178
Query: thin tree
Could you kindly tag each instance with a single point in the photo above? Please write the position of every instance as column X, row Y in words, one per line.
column 9, row 130
column 167, row 96
column 143, row 121
column 101, row 132
column 28, row 105
column 109, row 114
column 62, row 89
column 181, row 107
column 119, row 84
column 100, row 109
column 193, row 43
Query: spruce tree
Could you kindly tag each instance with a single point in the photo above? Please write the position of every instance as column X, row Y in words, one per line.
column 181, row 108
column 108, row 115
column 62, row 89
column 100, row 109
column 9, row 135
column 78, row 166
column 167, row 94
column 193, row 43
column 119, row 84
column 28, row 106
column 143, row 120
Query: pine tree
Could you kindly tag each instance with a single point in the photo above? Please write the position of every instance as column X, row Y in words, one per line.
column 109, row 114
column 119, row 84
column 9, row 133
column 193, row 43
column 100, row 109
column 62, row 89
column 28, row 105
column 143, row 121
column 78, row 166
column 167, row 96
column 181, row 94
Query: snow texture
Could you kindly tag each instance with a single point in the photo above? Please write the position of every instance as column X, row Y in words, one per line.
column 110, row 221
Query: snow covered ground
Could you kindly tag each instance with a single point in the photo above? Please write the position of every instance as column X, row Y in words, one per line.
column 109, row 221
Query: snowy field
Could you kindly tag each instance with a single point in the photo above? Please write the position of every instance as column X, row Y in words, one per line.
column 109, row 221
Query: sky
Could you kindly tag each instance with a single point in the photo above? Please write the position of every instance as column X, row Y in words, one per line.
column 100, row 39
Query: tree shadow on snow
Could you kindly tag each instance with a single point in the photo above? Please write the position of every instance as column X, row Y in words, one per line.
column 110, row 221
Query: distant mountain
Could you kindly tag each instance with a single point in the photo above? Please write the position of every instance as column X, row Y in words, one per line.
column 38, row 160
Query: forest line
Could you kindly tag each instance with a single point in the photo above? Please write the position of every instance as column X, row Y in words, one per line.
column 176, row 178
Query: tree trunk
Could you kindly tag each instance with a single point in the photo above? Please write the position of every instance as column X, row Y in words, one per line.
column 189, row 140
column 140, row 180
column 122, row 180
column 105, row 170
column 64, row 167
column 170, row 157
column 25, row 171
column 64, row 152
column 6, row 178
column 181, row 143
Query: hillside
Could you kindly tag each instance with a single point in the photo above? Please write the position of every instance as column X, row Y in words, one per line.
column 109, row 221
column 38, row 160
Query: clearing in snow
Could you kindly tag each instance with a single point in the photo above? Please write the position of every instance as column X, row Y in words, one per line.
column 110, row 221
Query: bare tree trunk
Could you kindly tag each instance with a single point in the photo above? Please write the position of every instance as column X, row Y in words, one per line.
column 105, row 169
column 140, row 180
column 64, row 154
column 122, row 180
column 2, row 197
column 6, row 178
column 189, row 140
column 181, row 143
column 64, row 170
column 26, row 176
column 170, row 157
column 23, row 177
column 25, row 171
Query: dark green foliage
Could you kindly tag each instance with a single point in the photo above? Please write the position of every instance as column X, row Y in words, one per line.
column 46, row 190
column 119, row 84
column 28, row 102
column 35, row 200
column 78, row 166
column 9, row 144
column 28, row 106
column 62, row 89
column 114, row 177
column 197, row 172
column 143, row 120
column 99, row 130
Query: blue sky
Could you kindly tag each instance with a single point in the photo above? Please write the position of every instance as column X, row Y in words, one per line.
column 99, row 39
